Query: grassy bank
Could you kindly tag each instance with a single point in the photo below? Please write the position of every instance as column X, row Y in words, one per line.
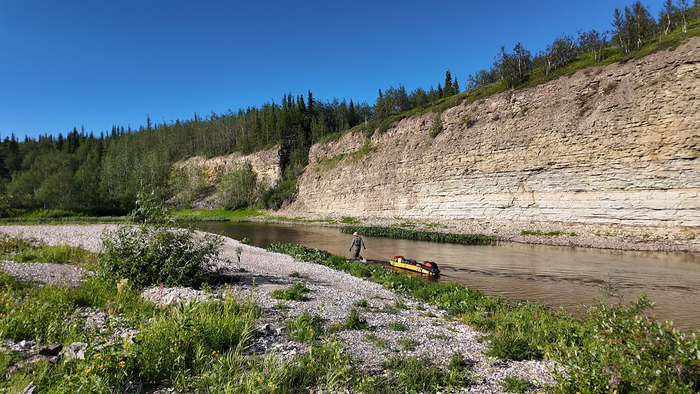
column 613, row 349
column 415, row 235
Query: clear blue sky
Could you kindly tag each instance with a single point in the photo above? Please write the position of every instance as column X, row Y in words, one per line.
column 94, row 64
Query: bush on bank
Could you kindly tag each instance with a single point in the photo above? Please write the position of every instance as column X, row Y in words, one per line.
column 159, row 255
column 613, row 349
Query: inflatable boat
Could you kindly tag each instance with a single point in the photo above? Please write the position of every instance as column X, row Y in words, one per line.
column 426, row 267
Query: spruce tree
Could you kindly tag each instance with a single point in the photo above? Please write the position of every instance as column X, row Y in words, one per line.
column 447, row 90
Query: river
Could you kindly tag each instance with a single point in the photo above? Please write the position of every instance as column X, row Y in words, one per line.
column 562, row 277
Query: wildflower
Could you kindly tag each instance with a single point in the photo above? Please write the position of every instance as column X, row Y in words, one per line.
column 97, row 355
column 100, row 366
column 87, row 371
column 122, row 284
column 122, row 364
column 214, row 352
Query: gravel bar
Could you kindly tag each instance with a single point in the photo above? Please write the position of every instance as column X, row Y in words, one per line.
column 333, row 294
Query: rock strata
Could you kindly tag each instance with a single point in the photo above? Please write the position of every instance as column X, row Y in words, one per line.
column 615, row 146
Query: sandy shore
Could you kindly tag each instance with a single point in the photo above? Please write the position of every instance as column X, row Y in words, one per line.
column 333, row 294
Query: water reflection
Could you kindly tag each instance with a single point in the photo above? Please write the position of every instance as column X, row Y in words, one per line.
column 566, row 277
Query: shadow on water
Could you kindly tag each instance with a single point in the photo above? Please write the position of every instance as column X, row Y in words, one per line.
column 564, row 277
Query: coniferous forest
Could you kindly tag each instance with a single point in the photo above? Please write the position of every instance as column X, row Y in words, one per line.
column 102, row 173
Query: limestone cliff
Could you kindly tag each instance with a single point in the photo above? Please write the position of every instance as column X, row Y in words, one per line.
column 613, row 145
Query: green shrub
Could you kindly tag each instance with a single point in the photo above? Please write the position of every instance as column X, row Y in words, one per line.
column 397, row 326
column 414, row 375
column 468, row 121
column 305, row 328
column 14, row 245
column 149, row 255
column 295, row 292
column 436, row 128
column 361, row 303
column 407, row 344
column 188, row 183
column 609, row 87
column 513, row 347
column 31, row 250
column 456, row 362
column 355, row 321
column 273, row 198
column 515, row 385
column 149, row 208
column 626, row 352
column 378, row 342
column 550, row 233
column 40, row 317
column 237, row 188
column 179, row 340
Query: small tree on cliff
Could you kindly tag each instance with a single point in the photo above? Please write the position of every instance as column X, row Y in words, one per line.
column 238, row 187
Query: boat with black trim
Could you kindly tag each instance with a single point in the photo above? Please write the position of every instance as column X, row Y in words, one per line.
column 425, row 267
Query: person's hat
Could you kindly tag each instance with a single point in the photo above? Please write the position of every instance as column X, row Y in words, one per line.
column 355, row 233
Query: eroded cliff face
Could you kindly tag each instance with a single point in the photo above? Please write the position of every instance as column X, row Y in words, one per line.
column 266, row 165
column 613, row 145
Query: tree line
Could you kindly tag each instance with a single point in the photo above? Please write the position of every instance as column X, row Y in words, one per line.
column 106, row 172
column 86, row 171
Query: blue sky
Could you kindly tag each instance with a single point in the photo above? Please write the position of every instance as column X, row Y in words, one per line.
column 94, row 64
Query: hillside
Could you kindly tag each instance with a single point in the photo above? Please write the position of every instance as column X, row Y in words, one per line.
column 611, row 150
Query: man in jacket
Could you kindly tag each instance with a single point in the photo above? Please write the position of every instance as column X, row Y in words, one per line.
column 357, row 243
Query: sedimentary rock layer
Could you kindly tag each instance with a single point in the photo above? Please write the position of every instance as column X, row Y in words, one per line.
column 612, row 145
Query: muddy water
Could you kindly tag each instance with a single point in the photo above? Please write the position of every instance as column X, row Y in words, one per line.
column 563, row 277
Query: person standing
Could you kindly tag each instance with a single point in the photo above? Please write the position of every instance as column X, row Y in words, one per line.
column 355, row 246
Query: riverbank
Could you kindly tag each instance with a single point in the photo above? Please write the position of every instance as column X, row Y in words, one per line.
column 395, row 325
column 642, row 238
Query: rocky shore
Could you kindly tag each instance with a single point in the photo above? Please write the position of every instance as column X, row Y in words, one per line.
column 431, row 332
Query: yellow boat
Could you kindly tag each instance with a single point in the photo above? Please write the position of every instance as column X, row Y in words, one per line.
column 426, row 267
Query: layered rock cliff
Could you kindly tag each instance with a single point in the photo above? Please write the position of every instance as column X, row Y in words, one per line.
column 615, row 145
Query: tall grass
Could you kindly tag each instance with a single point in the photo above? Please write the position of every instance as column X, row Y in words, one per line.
column 430, row 236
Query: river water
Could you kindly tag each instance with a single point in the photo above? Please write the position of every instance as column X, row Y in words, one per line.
column 565, row 277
